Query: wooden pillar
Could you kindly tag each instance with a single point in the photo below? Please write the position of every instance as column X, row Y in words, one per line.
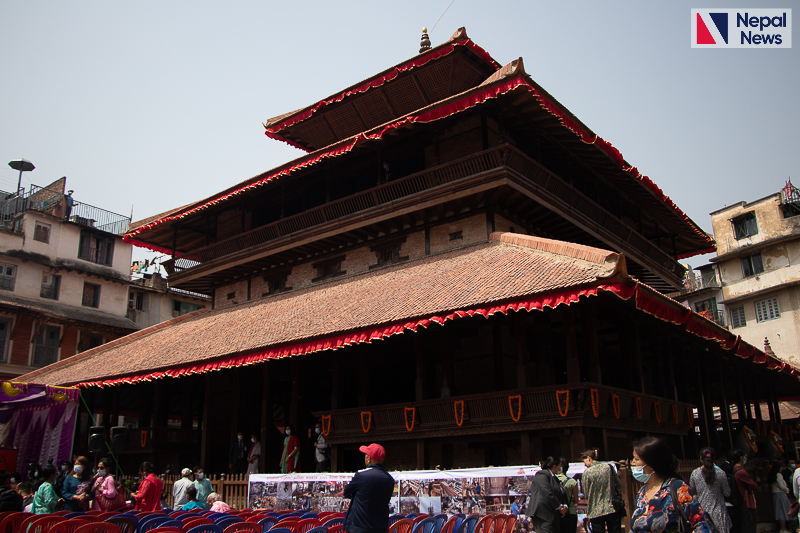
column 419, row 353
column 497, row 349
column 705, row 423
column 742, row 401
column 267, row 446
column 521, row 334
column 577, row 441
column 236, row 402
column 294, row 372
column 775, row 405
column 756, row 395
column 770, row 406
column 589, row 323
column 724, row 406
column 637, row 357
column 336, row 378
column 673, row 385
column 205, row 434
column 446, row 358
column 570, row 336
column 421, row 456
column 363, row 375
column 525, row 447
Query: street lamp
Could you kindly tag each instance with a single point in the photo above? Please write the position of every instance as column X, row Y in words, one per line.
column 23, row 165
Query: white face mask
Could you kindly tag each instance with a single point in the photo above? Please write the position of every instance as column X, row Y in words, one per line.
column 638, row 474
column 78, row 469
column 200, row 476
column 253, row 441
column 239, row 437
column 318, row 430
column 288, row 431
column 101, row 472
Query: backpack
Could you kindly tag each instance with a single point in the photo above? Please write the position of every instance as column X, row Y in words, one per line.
column 735, row 498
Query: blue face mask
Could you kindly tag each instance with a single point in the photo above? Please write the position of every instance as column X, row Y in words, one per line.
column 745, row 460
column 638, row 474
column 78, row 469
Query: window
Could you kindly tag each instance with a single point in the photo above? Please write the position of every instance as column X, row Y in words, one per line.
column 89, row 341
column 140, row 301
column 389, row 252
column 457, row 235
column 96, row 248
column 5, row 336
column 752, row 265
column 706, row 305
column 181, row 308
column 41, row 232
column 91, row 295
column 745, row 225
column 45, row 345
column 276, row 282
column 790, row 210
column 51, row 285
column 767, row 309
column 329, row 269
column 737, row 317
column 8, row 275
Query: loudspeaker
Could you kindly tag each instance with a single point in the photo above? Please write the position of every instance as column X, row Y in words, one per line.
column 119, row 439
column 97, row 439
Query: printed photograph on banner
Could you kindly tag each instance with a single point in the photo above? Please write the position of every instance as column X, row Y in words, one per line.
column 412, row 487
column 430, row 506
column 519, row 485
column 285, row 490
column 474, row 487
column 263, row 495
column 451, row 488
column 329, row 504
column 409, row 505
column 432, row 488
column 452, row 505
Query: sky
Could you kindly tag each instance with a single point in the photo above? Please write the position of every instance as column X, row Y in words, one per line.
column 150, row 105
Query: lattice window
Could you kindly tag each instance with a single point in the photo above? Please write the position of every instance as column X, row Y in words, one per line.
column 465, row 77
column 316, row 132
column 45, row 345
column 436, row 80
column 767, row 309
column 91, row 295
column 344, row 121
column 404, row 95
column 745, row 225
column 373, row 108
column 41, row 232
column 737, row 317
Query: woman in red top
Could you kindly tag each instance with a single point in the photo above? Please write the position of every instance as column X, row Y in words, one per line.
column 290, row 460
column 148, row 497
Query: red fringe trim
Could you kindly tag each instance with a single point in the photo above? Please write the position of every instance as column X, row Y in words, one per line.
column 451, row 109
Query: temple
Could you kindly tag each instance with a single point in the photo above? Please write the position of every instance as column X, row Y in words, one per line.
column 457, row 268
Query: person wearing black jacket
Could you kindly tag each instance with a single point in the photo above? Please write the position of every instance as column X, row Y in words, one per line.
column 547, row 497
column 10, row 500
column 370, row 490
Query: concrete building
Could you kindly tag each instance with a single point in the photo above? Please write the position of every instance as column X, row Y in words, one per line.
column 64, row 281
column 758, row 265
column 151, row 300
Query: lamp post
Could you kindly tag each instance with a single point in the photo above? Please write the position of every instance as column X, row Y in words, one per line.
column 23, row 165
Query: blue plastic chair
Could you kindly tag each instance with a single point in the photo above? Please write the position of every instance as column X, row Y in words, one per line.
column 426, row 525
column 214, row 516
column 280, row 530
column 227, row 517
column 190, row 516
column 440, row 520
column 223, row 523
column 340, row 520
column 412, row 516
column 267, row 523
column 392, row 519
column 158, row 521
column 207, row 528
column 318, row 529
column 309, row 515
column 469, row 523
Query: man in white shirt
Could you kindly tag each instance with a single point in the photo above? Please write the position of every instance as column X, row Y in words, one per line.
column 179, row 489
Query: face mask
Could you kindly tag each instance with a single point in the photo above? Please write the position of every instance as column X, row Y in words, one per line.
column 239, row 437
column 78, row 469
column 13, row 480
column 253, row 441
column 288, row 431
column 63, row 468
column 745, row 460
column 561, row 470
column 317, row 430
column 639, row 475
column 200, row 476
column 101, row 472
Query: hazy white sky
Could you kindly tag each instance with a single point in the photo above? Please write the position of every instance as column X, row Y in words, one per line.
column 154, row 104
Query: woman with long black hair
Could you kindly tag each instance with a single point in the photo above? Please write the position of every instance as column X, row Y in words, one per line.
column 711, row 486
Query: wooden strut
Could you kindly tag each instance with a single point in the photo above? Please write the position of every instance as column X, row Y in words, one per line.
column 595, row 395
column 456, row 404
column 638, row 403
column 326, row 429
column 369, row 420
column 560, row 393
column 675, row 413
column 143, row 437
column 518, row 398
column 413, row 417
column 690, row 417
column 657, row 409
column 615, row 405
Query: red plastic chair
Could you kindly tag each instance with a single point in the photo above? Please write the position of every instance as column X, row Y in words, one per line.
column 165, row 530
column 58, row 513
column 335, row 529
column 403, row 525
column 95, row 511
column 98, row 527
column 26, row 522
column 245, row 527
column 199, row 521
column 127, row 524
column 68, row 526
column 449, row 525
column 485, row 524
column 306, row 525
column 291, row 525
column 511, row 522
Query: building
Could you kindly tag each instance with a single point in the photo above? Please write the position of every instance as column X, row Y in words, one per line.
column 758, row 246
column 702, row 292
column 65, row 278
column 458, row 268
column 151, row 300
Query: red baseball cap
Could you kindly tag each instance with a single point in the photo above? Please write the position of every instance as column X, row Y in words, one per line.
column 375, row 451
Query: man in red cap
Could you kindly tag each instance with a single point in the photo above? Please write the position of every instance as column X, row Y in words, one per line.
column 370, row 490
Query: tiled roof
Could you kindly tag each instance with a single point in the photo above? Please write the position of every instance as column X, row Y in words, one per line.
column 66, row 312
column 505, row 268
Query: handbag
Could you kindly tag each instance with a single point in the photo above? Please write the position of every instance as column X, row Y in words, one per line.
column 616, row 500
column 793, row 509
column 683, row 523
column 112, row 504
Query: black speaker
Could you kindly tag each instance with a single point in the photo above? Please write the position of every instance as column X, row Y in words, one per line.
column 97, row 439
column 119, row 439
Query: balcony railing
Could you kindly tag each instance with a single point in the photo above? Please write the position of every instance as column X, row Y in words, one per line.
column 54, row 202
column 580, row 404
column 503, row 156
column 714, row 316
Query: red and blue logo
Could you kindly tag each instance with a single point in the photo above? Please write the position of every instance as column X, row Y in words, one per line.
column 741, row 28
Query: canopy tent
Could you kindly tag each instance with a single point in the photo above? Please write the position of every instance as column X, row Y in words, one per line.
column 38, row 422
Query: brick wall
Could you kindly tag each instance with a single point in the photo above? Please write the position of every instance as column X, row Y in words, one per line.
column 473, row 230
column 221, row 294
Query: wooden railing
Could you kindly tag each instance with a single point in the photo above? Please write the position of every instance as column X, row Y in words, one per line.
column 553, row 406
column 232, row 488
column 503, row 156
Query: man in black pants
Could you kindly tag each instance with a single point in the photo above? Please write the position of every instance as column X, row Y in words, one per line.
column 370, row 490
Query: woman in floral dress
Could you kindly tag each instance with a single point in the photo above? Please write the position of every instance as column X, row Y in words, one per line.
column 654, row 465
column 711, row 486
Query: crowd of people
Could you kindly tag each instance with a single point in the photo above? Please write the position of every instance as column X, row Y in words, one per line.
column 715, row 499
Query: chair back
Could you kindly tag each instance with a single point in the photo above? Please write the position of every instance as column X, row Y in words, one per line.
column 57, row 513
column 450, row 525
column 288, row 520
column 26, row 522
column 267, row 523
column 153, row 521
column 425, row 525
column 44, row 523
column 126, row 524
column 318, row 529
column 291, row 525
column 224, row 523
column 499, row 523
column 309, row 515
column 403, row 525
column 412, row 516
column 206, row 528
column 281, row 530
column 98, row 527
column 335, row 529
column 484, row 525
column 228, row 517
column 469, row 523
column 184, row 518
column 304, row 526
column 244, row 527
column 166, row 530
column 511, row 522
column 67, row 526
column 95, row 511
column 336, row 520
column 440, row 520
